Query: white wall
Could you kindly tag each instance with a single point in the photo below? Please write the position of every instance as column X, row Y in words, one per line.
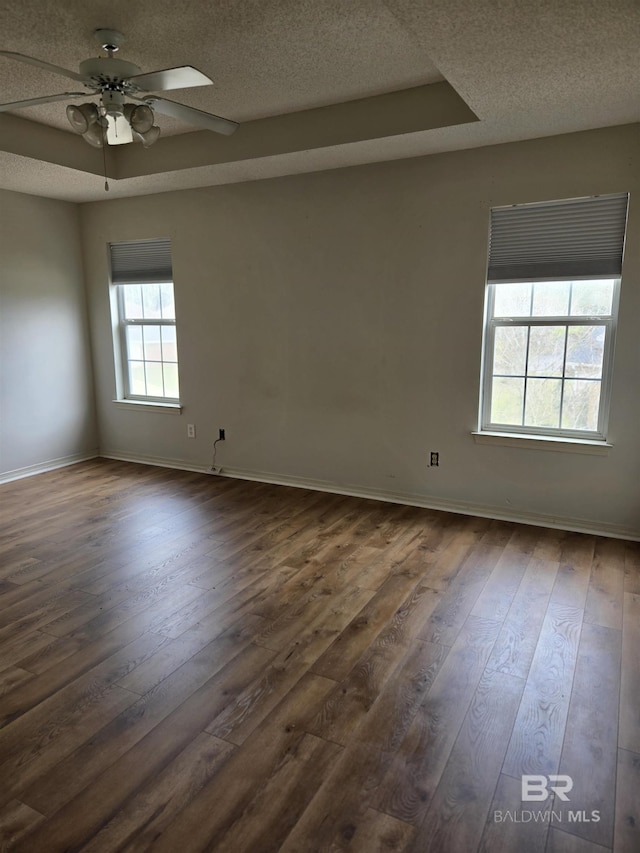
column 331, row 323
column 47, row 411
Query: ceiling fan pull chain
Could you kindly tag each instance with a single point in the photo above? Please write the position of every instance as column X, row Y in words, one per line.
column 104, row 158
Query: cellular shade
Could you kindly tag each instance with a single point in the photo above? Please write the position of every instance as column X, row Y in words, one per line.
column 577, row 238
column 141, row 262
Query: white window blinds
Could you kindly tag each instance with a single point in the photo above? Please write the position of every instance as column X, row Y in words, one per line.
column 141, row 262
column 577, row 238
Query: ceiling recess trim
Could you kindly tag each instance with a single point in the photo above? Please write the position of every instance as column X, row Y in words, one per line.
column 394, row 114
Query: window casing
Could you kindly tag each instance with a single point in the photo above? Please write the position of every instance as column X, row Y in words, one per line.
column 144, row 315
column 551, row 305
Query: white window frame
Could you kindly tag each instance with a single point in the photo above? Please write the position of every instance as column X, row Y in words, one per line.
column 123, row 323
column 490, row 325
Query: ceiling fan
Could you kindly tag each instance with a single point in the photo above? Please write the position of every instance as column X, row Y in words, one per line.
column 115, row 81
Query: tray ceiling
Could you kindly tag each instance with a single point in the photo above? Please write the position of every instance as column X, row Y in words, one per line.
column 396, row 79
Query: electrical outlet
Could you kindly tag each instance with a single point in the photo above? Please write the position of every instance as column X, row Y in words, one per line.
column 191, row 430
column 221, row 435
column 434, row 459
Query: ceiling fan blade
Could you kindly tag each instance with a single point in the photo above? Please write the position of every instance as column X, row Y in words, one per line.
column 46, row 99
column 39, row 63
column 184, row 77
column 192, row 115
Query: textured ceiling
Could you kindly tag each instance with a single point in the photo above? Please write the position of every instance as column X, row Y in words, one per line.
column 525, row 69
column 265, row 57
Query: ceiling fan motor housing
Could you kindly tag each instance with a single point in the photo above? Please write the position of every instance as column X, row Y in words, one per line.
column 102, row 71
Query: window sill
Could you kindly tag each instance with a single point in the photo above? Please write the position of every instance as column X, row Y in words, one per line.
column 543, row 442
column 148, row 406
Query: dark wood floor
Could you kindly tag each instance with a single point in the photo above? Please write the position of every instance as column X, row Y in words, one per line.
column 197, row 663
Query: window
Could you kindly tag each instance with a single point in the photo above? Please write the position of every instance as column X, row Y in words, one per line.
column 142, row 275
column 549, row 351
column 148, row 328
column 551, row 310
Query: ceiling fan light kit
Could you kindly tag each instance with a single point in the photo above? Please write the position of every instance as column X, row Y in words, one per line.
column 114, row 120
column 96, row 134
column 87, row 120
column 80, row 118
column 139, row 116
column 149, row 137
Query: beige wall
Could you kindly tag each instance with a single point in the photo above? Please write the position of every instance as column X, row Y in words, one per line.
column 47, row 411
column 331, row 323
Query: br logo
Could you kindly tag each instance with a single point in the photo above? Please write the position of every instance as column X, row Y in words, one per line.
column 536, row 788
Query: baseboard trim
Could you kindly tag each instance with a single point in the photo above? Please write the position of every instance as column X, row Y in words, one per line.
column 51, row 465
column 157, row 461
column 575, row 525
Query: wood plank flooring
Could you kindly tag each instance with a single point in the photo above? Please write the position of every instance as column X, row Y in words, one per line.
column 194, row 663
